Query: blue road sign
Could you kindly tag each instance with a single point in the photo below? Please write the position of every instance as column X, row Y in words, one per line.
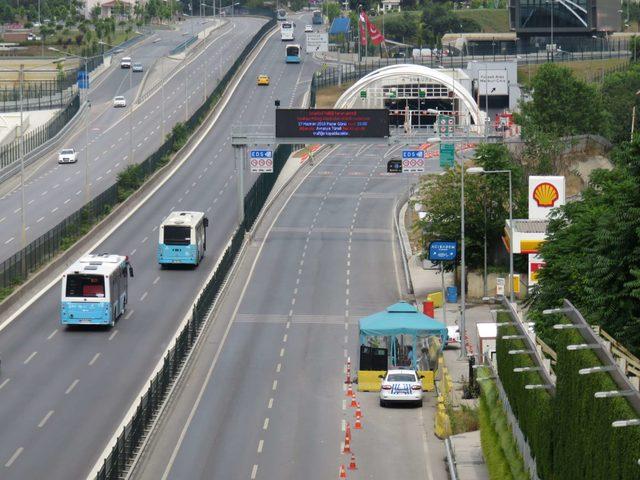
column 83, row 79
column 261, row 153
column 413, row 154
column 439, row 251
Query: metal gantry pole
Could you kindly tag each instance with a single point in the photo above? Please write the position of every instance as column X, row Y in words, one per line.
column 23, row 232
column 186, row 97
column 238, row 153
column 463, row 287
column 87, row 188
column 511, row 294
column 131, row 119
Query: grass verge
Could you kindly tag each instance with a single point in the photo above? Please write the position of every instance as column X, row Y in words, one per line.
column 588, row 70
column 491, row 20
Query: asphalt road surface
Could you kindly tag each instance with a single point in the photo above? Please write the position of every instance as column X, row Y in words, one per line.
column 63, row 392
column 265, row 398
column 115, row 134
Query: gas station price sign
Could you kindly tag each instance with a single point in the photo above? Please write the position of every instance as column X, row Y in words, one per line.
column 332, row 123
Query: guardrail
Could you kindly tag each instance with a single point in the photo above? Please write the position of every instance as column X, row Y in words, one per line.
column 10, row 152
column 183, row 45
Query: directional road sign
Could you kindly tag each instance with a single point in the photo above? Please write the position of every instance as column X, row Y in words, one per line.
column 446, row 125
column 413, row 161
column 317, row 42
column 83, row 79
column 443, row 251
column 261, row 161
column 447, row 155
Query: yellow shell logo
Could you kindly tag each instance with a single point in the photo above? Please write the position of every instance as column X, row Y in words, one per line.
column 545, row 195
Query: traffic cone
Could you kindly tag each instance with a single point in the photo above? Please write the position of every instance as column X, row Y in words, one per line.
column 347, row 444
column 348, row 431
column 358, row 413
column 349, row 391
column 354, row 404
column 352, row 463
column 358, row 424
column 343, row 472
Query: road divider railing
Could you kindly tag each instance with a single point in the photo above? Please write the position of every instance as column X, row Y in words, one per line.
column 16, row 269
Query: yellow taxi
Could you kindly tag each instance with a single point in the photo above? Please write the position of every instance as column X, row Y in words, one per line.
column 263, row 79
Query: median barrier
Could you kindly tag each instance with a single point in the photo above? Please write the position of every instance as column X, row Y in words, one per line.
column 369, row 380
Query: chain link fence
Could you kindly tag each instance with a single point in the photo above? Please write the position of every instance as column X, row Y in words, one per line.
column 10, row 152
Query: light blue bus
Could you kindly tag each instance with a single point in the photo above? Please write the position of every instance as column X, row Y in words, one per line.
column 292, row 54
column 95, row 290
column 182, row 238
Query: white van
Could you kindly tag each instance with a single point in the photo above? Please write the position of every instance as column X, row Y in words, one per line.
column 125, row 62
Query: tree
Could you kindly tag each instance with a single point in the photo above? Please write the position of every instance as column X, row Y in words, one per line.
column 620, row 89
column 562, row 105
column 486, row 203
column 332, row 10
column 592, row 253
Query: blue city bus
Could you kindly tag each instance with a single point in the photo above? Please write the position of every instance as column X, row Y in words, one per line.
column 95, row 290
column 182, row 238
column 317, row 17
column 282, row 14
column 292, row 54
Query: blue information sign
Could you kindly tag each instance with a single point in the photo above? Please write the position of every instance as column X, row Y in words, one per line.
column 261, row 153
column 439, row 251
column 83, row 79
column 413, row 154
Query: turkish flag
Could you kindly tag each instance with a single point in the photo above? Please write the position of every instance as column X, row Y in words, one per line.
column 363, row 34
column 376, row 37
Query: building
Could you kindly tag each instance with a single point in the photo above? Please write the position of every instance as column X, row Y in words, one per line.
column 107, row 6
column 390, row 6
column 579, row 18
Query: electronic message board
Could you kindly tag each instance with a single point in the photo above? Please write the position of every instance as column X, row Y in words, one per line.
column 332, row 123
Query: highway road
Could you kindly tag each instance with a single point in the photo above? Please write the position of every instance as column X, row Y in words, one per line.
column 55, row 191
column 63, row 392
column 265, row 397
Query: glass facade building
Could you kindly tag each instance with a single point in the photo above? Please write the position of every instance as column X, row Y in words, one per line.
column 570, row 17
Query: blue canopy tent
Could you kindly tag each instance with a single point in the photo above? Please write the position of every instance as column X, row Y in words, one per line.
column 401, row 319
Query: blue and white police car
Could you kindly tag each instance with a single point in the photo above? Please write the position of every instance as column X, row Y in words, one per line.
column 401, row 386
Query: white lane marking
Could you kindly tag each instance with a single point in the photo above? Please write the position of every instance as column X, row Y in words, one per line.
column 133, row 251
column 67, row 201
column 284, row 339
column 71, row 387
column 4, row 383
column 270, row 405
column 30, row 202
column 99, row 178
column 293, row 301
column 282, row 352
column 46, row 417
column 144, row 239
column 54, row 210
column 40, row 219
column 260, row 445
column 278, row 367
column 156, row 280
column 344, row 404
column 9, row 241
column 108, row 171
column 275, row 385
column 56, row 185
column 16, row 210
column 254, row 472
column 44, row 193
column 113, row 334
column 78, row 192
column 287, row 325
column 52, row 334
column 144, row 295
column 95, row 357
column 265, row 425
column 30, row 357
column 14, row 457
column 126, row 317
column 3, row 219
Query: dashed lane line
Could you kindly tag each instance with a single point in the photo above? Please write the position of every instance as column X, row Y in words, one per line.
column 45, row 419
column 71, row 387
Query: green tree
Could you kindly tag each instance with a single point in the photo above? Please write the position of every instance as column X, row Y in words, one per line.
column 620, row 90
column 562, row 105
column 332, row 10
column 486, row 203
column 592, row 253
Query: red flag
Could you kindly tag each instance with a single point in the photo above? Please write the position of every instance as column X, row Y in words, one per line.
column 363, row 33
column 374, row 33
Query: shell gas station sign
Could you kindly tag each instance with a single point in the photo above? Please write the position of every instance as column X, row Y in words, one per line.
column 545, row 193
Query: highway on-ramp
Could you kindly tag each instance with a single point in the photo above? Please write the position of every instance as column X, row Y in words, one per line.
column 265, row 398
column 63, row 392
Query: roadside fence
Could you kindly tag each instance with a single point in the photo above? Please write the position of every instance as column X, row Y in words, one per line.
column 9, row 153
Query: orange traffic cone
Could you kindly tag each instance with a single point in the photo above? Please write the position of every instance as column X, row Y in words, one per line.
column 358, row 424
column 348, row 431
column 358, row 413
column 352, row 463
column 343, row 472
column 349, row 391
column 354, row 404
column 347, row 444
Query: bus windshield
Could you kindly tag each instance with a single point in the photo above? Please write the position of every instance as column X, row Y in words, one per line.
column 293, row 50
column 85, row 286
column 174, row 235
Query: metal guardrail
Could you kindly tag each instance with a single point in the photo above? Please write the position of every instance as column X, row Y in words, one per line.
column 183, row 45
column 10, row 152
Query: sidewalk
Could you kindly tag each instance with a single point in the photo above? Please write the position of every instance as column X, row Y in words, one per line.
column 468, row 455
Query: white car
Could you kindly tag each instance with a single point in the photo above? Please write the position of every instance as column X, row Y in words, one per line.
column 125, row 62
column 68, row 155
column 453, row 336
column 137, row 67
column 308, row 28
column 119, row 101
column 401, row 386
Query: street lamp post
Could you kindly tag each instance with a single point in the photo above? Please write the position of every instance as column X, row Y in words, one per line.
column 21, row 155
column 482, row 171
column 131, row 118
column 633, row 115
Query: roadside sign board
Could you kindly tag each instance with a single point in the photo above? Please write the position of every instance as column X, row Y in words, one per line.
column 500, row 286
column 83, row 79
column 261, row 161
column 413, row 161
column 317, row 42
column 447, row 155
column 446, row 125
column 443, row 251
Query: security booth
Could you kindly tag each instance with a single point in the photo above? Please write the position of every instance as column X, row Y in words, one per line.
column 398, row 337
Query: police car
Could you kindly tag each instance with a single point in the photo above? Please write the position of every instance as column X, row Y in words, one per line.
column 400, row 386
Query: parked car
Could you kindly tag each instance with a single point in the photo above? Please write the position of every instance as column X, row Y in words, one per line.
column 137, row 67
column 119, row 101
column 68, row 155
column 401, row 386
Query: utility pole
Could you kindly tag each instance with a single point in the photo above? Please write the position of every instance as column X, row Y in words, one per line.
column 21, row 155
column 131, row 119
